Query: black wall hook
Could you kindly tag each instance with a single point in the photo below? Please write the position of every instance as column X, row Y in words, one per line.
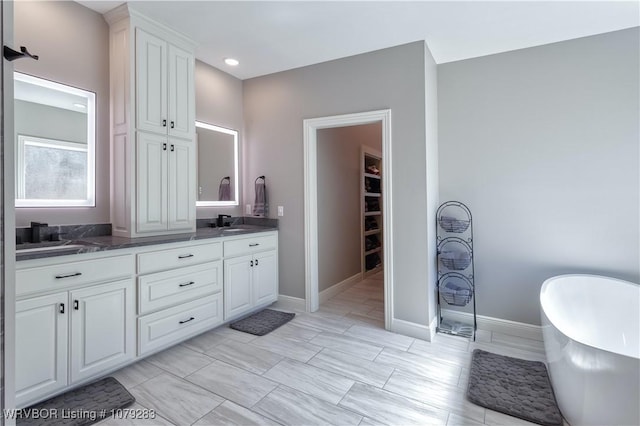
column 12, row 55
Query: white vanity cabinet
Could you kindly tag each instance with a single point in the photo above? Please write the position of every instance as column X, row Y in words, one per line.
column 250, row 274
column 180, row 293
column 153, row 159
column 74, row 320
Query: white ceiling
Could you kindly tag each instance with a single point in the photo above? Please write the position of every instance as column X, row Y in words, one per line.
column 270, row 36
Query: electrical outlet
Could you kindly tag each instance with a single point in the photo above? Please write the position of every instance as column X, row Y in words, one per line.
column 247, row 209
column 280, row 210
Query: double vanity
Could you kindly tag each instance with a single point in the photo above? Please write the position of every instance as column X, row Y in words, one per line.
column 114, row 300
column 91, row 305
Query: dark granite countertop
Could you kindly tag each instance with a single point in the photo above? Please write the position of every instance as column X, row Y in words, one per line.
column 104, row 243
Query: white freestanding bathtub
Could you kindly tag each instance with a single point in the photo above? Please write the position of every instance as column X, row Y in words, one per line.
column 591, row 329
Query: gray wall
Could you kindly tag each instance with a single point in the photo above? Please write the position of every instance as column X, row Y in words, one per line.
column 219, row 102
column 275, row 106
column 542, row 144
column 339, row 160
column 73, row 44
column 45, row 121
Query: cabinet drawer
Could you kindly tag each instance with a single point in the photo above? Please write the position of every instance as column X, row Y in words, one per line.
column 58, row 276
column 172, row 325
column 250, row 245
column 174, row 258
column 164, row 289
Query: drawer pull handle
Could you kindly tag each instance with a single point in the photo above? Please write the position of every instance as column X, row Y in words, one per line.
column 77, row 274
column 76, row 305
column 184, row 256
column 62, row 308
column 186, row 284
column 251, row 263
column 256, row 262
column 190, row 319
column 254, row 244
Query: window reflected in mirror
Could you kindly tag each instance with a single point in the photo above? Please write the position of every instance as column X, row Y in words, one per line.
column 217, row 152
column 54, row 128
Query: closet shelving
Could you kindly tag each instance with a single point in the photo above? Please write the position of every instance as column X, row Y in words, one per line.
column 456, row 287
column 371, row 210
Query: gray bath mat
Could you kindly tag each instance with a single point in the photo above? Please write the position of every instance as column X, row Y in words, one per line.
column 263, row 322
column 82, row 406
column 513, row 386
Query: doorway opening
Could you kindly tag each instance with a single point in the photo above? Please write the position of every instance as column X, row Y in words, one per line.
column 367, row 266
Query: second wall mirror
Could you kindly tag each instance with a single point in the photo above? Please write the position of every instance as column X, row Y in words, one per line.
column 217, row 152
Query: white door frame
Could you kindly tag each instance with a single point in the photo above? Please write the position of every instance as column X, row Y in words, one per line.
column 311, row 126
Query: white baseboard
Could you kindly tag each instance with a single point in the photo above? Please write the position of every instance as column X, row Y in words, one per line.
column 411, row 329
column 512, row 328
column 290, row 303
column 328, row 293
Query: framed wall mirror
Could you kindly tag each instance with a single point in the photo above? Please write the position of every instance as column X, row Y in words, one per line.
column 55, row 132
column 217, row 153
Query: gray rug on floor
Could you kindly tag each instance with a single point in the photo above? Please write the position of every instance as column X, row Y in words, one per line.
column 263, row 322
column 82, row 406
column 513, row 386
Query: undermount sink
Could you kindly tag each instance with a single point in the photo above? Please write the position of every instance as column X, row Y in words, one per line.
column 46, row 246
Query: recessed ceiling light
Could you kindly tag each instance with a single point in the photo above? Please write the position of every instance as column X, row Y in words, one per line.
column 231, row 61
column 78, row 105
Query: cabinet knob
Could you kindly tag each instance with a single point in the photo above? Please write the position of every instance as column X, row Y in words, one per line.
column 164, row 146
column 76, row 305
column 173, row 147
column 251, row 263
column 256, row 262
column 173, row 125
column 62, row 308
column 164, row 123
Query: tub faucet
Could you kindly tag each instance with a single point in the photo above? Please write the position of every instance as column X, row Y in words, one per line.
column 35, row 231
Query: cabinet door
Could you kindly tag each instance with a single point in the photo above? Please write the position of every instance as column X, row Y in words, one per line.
column 41, row 346
column 181, row 93
column 151, row 83
column 182, row 185
column 102, row 328
column 237, row 286
column 265, row 278
column 151, row 200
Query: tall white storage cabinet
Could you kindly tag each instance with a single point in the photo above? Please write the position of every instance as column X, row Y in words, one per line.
column 153, row 162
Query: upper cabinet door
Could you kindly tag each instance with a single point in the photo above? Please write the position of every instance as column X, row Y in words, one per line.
column 151, row 83
column 181, row 93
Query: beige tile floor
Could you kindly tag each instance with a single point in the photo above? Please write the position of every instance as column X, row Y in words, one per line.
column 337, row 366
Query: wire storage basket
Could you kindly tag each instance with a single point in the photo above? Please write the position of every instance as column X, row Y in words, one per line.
column 456, row 277
column 455, row 260
column 456, row 292
column 451, row 224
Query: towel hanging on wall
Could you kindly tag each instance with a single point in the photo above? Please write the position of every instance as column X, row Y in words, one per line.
column 224, row 190
column 260, row 206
